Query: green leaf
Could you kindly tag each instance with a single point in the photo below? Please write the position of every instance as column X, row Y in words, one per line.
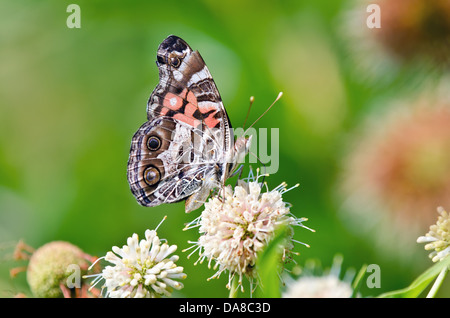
column 268, row 266
column 420, row 283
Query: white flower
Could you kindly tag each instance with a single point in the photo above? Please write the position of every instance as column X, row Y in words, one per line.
column 438, row 238
column 141, row 269
column 328, row 286
column 236, row 225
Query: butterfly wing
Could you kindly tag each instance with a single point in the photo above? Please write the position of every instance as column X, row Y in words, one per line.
column 186, row 90
column 181, row 147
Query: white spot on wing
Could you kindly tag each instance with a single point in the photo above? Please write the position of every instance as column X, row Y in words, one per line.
column 200, row 75
column 178, row 75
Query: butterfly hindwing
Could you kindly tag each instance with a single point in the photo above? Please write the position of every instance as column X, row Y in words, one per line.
column 160, row 166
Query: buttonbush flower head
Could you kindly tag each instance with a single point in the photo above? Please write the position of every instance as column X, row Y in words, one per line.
column 397, row 168
column 141, row 269
column 411, row 32
column 51, row 267
column 326, row 285
column 438, row 238
column 238, row 223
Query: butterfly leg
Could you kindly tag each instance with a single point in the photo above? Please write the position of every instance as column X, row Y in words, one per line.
column 238, row 171
column 223, row 193
column 264, row 166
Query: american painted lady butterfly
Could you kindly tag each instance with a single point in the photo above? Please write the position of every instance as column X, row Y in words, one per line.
column 187, row 146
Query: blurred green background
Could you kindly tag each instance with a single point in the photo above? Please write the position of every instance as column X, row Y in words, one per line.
column 71, row 99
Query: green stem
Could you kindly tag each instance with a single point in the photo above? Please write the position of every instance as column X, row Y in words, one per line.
column 437, row 283
column 358, row 281
column 233, row 288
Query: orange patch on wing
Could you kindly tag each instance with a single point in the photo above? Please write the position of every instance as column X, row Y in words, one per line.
column 172, row 101
column 191, row 98
column 190, row 109
column 191, row 106
column 188, row 120
column 210, row 121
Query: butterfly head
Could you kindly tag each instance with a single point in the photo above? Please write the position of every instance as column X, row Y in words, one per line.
column 242, row 146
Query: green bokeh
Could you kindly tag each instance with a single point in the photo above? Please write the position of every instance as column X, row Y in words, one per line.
column 71, row 99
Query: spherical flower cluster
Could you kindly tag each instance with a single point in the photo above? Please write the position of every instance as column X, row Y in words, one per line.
column 237, row 224
column 49, row 267
column 438, row 238
column 328, row 286
column 407, row 32
column 397, row 168
column 316, row 282
column 141, row 269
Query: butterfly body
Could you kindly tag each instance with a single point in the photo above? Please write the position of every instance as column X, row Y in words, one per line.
column 187, row 146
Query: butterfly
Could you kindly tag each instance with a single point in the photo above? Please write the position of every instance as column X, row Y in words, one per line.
column 186, row 147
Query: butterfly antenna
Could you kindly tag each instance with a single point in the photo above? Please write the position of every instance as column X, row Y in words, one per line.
column 252, row 99
column 278, row 97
